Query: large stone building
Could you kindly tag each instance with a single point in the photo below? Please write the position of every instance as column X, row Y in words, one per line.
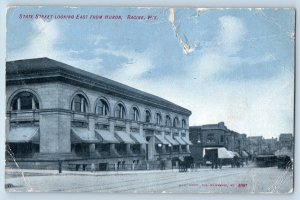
column 58, row 111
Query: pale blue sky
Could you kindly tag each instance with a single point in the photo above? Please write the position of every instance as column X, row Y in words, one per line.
column 239, row 67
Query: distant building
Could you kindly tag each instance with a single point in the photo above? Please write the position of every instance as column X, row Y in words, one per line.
column 286, row 140
column 270, row 146
column 214, row 136
column 255, row 145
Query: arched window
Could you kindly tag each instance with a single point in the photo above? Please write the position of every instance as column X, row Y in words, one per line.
column 79, row 103
column 175, row 122
column 120, row 111
column 24, row 101
column 183, row 124
column 102, row 108
column 168, row 121
column 148, row 116
column 135, row 115
column 158, row 119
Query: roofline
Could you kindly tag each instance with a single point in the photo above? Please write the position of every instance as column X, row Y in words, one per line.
column 55, row 70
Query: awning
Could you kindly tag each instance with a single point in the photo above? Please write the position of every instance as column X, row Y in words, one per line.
column 138, row 138
column 244, row 154
column 106, row 137
column 222, row 152
column 179, row 140
column 159, row 139
column 171, row 140
column 23, row 134
column 124, row 137
column 236, row 154
column 231, row 153
column 83, row 135
column 187, row 141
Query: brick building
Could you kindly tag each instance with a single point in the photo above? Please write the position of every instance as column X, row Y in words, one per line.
column 57, row 111
column 255, row 144
column 270, row 146
column 286, row 140
column 215, row 136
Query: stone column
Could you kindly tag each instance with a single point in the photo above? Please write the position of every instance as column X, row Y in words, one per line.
column 111, row 127
column 142, row 146
column 7, row 125
column 151, row 148
column 128, row 127
column 112, row 150
column 55, row 128
column 92, row 148
column 82, row 105
column 91, row 126
column 128, row 150
column 163, row 148
column 19, row 104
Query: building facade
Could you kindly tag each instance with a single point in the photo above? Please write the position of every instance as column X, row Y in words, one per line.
column 215, row 136
column 255, row 145
column 270, row 146
column 58, row 111
column 286, row 140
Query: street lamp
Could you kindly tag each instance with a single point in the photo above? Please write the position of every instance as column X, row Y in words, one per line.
column 170, row 148
column 159, row 150
column 159, row 156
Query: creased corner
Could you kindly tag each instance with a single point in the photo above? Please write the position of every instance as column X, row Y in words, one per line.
column 186, row 47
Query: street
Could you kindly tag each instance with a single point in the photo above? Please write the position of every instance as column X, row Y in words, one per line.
column 204, row 180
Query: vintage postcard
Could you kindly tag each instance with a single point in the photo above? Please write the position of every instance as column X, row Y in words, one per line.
column 150, row 100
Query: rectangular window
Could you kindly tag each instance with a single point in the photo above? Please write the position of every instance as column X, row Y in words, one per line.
column 135, row 148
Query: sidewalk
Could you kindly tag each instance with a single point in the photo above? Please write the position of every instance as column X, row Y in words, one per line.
column 33, row 172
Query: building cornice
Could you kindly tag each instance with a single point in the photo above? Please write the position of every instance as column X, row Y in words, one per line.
column 60, row 72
